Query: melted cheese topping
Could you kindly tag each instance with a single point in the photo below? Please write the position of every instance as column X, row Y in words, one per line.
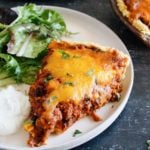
column 77, row 72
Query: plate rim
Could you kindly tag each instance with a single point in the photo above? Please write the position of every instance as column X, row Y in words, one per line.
column 108, row 122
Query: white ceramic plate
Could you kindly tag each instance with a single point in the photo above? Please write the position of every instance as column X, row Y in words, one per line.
column 89, row 30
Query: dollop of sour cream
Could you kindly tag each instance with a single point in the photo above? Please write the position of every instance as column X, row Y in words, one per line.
column 14, row 108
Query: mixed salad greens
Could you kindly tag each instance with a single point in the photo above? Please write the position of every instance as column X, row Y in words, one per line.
column 24, row 42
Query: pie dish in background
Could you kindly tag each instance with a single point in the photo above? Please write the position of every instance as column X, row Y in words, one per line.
column 135, row 14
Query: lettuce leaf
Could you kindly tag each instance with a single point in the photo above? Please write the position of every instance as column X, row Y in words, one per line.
column 29, row 69
column 30, row 13
column 33, row 30
column 9, row 64
column 9, row 70
column 26, row 40
column 18, row 69
column 4, row 39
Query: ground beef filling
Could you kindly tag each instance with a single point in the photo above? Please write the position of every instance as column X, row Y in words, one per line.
column 64, row 115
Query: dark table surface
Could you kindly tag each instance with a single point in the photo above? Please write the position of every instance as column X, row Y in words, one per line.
column 132, row 129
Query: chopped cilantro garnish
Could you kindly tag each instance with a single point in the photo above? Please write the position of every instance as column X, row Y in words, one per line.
column 148, row 144
column 64, row 55
column 47, row 103
column 51, row 99
column 69, row 83
column 76, row 132
column 49, row 77
column 90, row 72
column 117, row 97
column 28, row 121
column 68, row 74
column 76, row 56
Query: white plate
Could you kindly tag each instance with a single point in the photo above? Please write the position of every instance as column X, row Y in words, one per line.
column 90, row 30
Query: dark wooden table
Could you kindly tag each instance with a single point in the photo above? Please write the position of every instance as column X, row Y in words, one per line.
column 132, row 129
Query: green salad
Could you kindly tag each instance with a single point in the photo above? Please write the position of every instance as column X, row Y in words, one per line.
column 24, row 42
